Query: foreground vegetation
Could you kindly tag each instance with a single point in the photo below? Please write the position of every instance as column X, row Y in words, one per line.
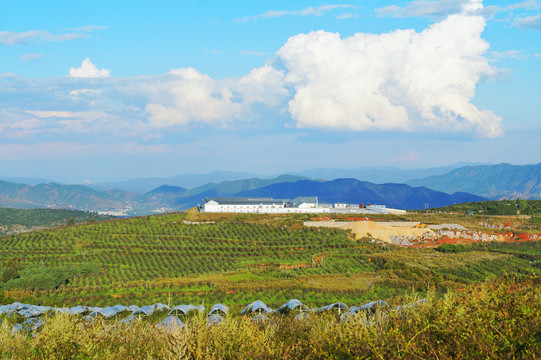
column 497, row 319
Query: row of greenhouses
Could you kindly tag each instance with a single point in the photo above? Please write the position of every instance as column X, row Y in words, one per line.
column 36, row 315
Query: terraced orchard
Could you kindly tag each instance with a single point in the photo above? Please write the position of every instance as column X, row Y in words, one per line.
column 235, row 259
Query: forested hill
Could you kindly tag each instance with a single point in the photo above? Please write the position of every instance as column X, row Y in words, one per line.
column 21, row 220
column 354, row 191
column 502, row 207
column 491, row 181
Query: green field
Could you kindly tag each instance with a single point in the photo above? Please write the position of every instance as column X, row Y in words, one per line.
column 235, row 259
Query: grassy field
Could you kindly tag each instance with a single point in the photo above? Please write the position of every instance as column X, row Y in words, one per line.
column 238, row 258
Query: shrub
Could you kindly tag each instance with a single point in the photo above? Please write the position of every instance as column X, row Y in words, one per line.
column 11, row 271
column 451, row 248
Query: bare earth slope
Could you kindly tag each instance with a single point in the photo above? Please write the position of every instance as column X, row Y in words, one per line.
column 378, row 230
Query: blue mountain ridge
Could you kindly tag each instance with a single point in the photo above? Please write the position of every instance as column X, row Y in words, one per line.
column 354, row 191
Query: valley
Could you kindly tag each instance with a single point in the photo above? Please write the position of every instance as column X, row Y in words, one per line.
column 197, row 257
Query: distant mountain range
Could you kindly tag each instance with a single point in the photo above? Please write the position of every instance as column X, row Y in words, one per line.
column 341, row 190
column 454, row 186
column 190, row 181
column 144, row 185
column 26, row 180
column 195, row 196
column 354, row 191
column 379, row 175
column 491, row 181
column 56, row 195
column 162, row 198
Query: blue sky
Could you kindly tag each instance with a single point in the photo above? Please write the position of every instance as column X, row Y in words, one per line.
column 108, row 90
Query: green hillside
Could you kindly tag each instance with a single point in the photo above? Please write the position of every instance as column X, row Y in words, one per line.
column 503, row 207
column 19, row 204
column 21, row 220
column 235, row 259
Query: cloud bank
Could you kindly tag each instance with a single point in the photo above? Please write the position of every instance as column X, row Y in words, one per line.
column 403, row 80
column 398, row 81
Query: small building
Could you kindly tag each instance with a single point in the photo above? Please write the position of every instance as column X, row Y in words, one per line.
column 303, row 202
column 380, row 209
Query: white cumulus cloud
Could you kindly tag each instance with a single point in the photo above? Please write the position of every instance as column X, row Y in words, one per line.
column 402, row 80
column 263, row 85
column 187, row 96
column 88, row 70
column 191, row 96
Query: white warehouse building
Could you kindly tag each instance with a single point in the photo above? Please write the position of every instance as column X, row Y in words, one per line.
column 263, row 205
column 303, row 204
